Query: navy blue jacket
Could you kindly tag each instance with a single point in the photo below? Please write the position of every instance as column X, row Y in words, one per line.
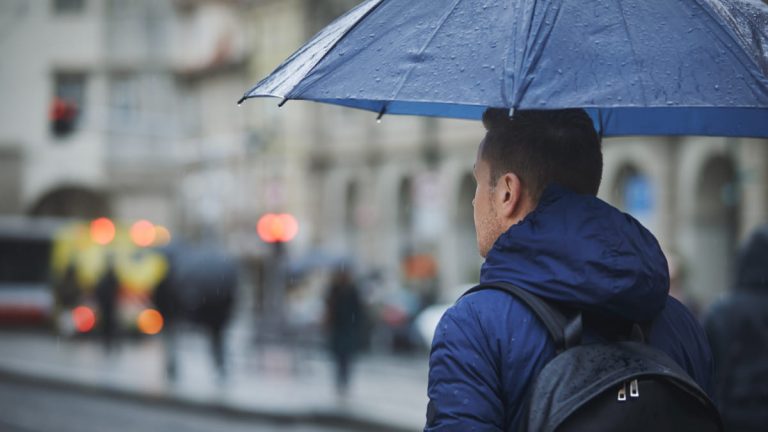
column 574, row 249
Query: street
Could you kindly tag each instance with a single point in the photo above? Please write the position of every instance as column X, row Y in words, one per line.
column 265, row 383
column 28, row 407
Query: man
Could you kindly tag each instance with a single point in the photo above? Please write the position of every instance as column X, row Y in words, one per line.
column 737, row 326
column 539, row 226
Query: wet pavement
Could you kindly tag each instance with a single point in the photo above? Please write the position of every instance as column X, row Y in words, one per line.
column 268, row 382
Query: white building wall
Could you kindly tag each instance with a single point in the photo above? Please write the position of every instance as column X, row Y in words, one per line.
column 37, row 42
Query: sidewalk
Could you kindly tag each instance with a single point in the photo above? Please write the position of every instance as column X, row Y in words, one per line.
column 388, row 393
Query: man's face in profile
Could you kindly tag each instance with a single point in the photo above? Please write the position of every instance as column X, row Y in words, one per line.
column 488, row 227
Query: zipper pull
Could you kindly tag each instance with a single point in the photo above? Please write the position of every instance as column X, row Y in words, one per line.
column 622, row 393
column 634, row 389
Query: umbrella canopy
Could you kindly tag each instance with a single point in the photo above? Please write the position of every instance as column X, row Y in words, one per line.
column 639, row 67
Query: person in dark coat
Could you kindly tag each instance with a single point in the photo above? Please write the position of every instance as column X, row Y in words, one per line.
column 345, row 320
column 737, row 327
column 106, row 296
column 200, row 288
column 541, row 227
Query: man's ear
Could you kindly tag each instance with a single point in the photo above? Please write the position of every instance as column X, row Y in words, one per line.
column 509, row 195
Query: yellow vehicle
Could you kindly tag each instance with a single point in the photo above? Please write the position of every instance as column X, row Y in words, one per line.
column 81, row 255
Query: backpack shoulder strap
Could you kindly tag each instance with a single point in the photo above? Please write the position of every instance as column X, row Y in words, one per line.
column 564, row 332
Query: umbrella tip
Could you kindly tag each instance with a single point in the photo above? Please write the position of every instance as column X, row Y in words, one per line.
column 282, row 102
column 511, row 112
column 240, row 102
column 381, row 113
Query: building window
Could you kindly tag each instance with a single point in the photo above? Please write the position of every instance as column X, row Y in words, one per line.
column 68, row 101
column 68, row 6
column 124, row 101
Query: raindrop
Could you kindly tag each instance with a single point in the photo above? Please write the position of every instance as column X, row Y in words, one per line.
column 717, row 87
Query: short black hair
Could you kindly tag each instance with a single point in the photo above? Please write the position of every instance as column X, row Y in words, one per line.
column 544, row 147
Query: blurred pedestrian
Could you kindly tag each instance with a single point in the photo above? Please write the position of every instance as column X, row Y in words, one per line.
column 106, row 297
column 199, row 288
column 345, row 321
column 737, row 327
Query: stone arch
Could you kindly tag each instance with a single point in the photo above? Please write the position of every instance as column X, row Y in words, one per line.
column 645, row 162
column 632, row 192
column 72, row 202
column 697, row 238
column 716, row 226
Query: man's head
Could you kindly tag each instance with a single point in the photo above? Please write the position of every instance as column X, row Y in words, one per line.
column 520, row 156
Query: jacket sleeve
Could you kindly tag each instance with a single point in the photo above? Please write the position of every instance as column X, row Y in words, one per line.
column 464, row 381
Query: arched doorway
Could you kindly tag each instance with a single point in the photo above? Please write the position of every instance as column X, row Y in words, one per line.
column 633, row 193
column 716, row 229
column 71, row 202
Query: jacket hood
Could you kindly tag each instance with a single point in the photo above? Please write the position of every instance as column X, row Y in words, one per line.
column 579, row 250
column 752, row 271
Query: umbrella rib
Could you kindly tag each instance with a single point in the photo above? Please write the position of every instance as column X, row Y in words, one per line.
column 407, row 74
column 729, row 32
column 285, row 97
column 535, row 41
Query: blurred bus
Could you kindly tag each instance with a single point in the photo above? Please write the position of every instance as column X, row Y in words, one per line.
column 49, row 270
column 26, row 297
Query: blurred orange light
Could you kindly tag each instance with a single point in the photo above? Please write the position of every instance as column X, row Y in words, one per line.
column 274, row 228
column 84, row 319
column 162, row 235
column 143, row 233
column 102, row 231
column 150, row 322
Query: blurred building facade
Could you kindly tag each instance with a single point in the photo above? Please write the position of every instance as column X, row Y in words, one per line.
column 127, row 108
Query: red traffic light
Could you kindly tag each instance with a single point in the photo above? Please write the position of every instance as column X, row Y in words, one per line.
column 277, row 228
